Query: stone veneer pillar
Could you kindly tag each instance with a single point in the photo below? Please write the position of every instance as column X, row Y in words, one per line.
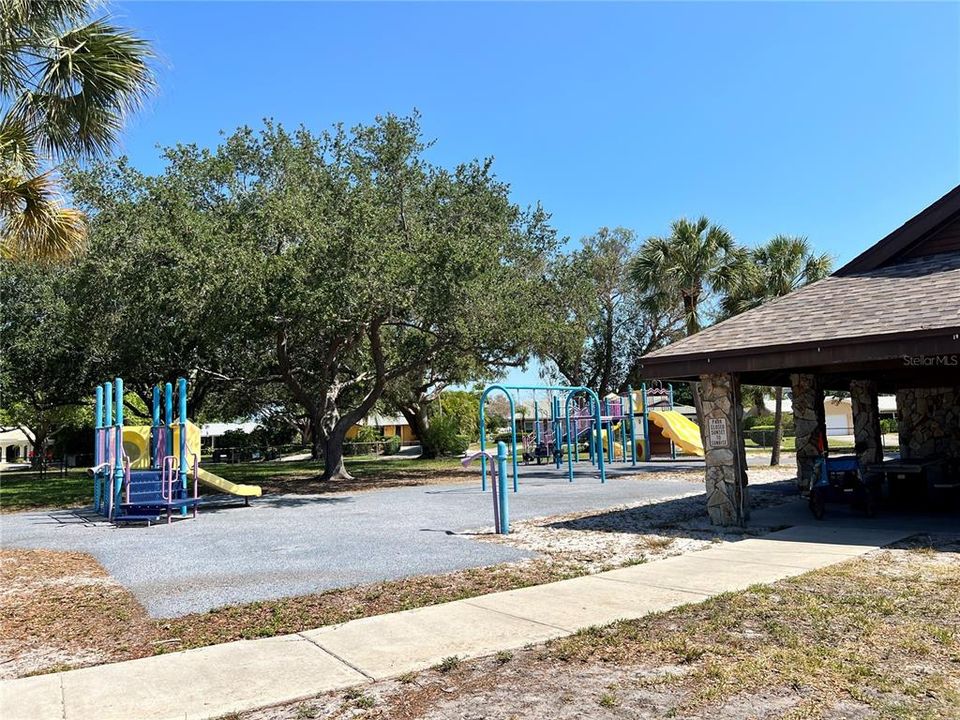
column 726, row 461
column 866, row 420
column 808, row 418
column 929, row 421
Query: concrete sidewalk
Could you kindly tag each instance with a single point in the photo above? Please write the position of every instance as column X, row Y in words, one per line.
column 214, row 681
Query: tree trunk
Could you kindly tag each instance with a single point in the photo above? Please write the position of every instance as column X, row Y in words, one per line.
column 777, row 427
column 333, row 467
column 417, row 418
column 37, row 444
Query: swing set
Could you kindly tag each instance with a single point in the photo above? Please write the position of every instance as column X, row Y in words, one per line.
column 576, row 420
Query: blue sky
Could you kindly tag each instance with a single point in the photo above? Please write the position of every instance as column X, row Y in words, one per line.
column 835, row 121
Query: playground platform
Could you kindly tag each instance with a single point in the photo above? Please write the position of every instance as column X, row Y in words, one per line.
column 215, row 681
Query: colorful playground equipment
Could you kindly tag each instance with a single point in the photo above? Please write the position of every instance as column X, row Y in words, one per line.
column 614, row 429
column 144, row 472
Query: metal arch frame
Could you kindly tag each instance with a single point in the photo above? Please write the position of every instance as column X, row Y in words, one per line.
column 571, row 390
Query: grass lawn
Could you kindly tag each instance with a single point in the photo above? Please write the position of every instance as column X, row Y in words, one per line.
column 875, row 637
column 28, row 491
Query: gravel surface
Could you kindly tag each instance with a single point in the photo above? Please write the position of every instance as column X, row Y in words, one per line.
column 287, row 545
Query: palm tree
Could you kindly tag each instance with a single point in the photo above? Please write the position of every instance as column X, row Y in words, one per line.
column 66, row 84
column 782, row 265
column 697, row 261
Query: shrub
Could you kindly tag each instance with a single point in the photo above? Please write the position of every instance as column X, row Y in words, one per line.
column 889, row 425
column 392, row 445
column 444, row 435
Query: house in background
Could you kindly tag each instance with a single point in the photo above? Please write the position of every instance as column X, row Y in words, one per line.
column 838, row 412
column 388, row 426
column 14, row 446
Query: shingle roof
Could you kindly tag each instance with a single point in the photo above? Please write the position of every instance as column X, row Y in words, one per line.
column 921, row 294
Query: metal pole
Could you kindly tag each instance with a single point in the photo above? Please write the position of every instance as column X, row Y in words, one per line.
column 97, row 454
column 623, row 431
column 501, row 488
column 646, row 423
column 118, row 459
column 536, row 420
column 609, row 431
column 633, row 428
column 673, row 447
column 155, row 430
column 106, row 481
column 557, row 433
column 182, row 399
column 513, row 431
column 168, row 419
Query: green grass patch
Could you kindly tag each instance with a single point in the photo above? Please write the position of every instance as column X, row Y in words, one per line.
column 28, row 490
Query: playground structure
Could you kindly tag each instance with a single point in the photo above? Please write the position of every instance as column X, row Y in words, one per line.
column 144, row 472
column 616, row 428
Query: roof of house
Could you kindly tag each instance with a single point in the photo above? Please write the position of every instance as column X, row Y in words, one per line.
column 900, row 298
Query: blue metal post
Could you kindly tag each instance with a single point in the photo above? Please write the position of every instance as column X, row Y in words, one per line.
column 118, row 459
column 155, row 430
column 106, row 477
column 483, row 433
column 97, row 457
column 609, row 431
column 646, row 423
column 182, row 399
column 501, row 488
column 633, row 428
column 168, row 418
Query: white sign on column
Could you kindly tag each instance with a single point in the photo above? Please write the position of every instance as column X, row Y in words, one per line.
column 717, row 432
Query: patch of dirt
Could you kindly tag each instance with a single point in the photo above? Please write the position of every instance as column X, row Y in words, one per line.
column 875, row 637
column 640, row 532
column 62, row 609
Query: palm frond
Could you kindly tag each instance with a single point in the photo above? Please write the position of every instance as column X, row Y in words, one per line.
column 17, row 145
column 96, row 74
column 34, row 224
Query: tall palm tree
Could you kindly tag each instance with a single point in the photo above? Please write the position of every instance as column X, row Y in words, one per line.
column 697, row 262
column 66, row 84
column 777, row 268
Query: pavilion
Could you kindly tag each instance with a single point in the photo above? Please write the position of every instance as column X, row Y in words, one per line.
column 886, row 322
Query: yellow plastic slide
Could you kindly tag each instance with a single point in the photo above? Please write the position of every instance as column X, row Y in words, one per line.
column 684, row 433
column 215, row 481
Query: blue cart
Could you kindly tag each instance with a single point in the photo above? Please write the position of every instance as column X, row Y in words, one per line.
column 843, row 480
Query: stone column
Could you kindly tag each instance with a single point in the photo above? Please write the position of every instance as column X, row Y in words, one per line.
column 809, row 422
column 726, row 462
column 929, row 421
column 866, row 420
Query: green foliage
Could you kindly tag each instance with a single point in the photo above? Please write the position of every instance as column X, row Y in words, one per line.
column 444, row 436
column 889, row 425
column 780, row 266
column 335, row 263
column 367, row 434
column 600, row 322
column 392, row 445
column 462, row 407
column 694, row 265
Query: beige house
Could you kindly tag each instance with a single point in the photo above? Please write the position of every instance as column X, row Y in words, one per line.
column 14, row 446
column 838, row 412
